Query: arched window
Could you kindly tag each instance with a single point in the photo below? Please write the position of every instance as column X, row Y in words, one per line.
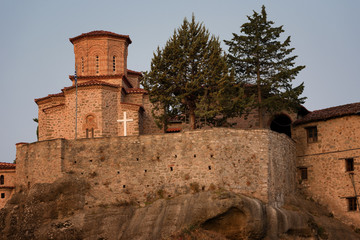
column 2, row 180
column 82, row 64
column 97, row 64
column 114, row 63
column 90, row 125
column 90, row 133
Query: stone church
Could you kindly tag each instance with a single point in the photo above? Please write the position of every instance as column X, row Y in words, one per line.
column 107, row 99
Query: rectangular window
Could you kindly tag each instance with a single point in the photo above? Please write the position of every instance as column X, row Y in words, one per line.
column 352, row 206
column 312, row 134
column 2, row 195
column 349, row 164
column 304, row 173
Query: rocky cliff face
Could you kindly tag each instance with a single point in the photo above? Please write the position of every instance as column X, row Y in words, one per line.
column 60, row 211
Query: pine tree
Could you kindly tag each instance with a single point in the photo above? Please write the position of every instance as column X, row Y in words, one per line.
column 260, row 60
column 190, row 77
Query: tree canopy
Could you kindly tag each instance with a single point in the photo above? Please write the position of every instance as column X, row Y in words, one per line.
column 189, row 77
column 262, row 62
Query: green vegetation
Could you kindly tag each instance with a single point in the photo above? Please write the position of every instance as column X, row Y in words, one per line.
column 189, row 78
column 261, row 62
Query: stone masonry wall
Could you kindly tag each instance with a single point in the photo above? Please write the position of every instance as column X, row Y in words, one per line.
column 328, row 181
column 7, row 188
column 251, row 120
column 143, row 168
column 148, row 121
column 40, row 162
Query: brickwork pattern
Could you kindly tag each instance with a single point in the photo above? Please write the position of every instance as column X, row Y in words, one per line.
column 105, row 48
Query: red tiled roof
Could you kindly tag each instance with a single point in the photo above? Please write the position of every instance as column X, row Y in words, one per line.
column 134, row 72
column 329, row 113
column 135, row 90
column 100, row 33
column 92, row 83
column 173, row 130
column 72, row 78
column 4, row 165
column 49, row 96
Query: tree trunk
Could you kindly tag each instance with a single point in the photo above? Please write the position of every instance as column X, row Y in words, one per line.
column 192, row 118
column 259, row 100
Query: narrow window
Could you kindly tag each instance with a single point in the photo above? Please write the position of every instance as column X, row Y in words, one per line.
column 2, row 195
column 349, row 164
column 304, row 173
column 90, row 133
column 97, row 64
column 114, row 63
column 2, row 180
column 352, row 206
column 312, row 134
column 82, row 64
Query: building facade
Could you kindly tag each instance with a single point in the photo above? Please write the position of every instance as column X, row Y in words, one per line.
column 328, row 159
column 7, row 182
column 105, row 98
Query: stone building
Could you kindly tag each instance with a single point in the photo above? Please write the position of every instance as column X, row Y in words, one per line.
column 107, row 98
column 108, row 101
column 328, row 159
column 7, row 182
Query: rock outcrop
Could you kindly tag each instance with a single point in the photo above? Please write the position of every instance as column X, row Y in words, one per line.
column 60, row 211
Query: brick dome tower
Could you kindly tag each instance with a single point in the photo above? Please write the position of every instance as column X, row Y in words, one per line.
column 101, row 53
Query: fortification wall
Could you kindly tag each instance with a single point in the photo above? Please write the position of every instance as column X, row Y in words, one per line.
column 142, row 168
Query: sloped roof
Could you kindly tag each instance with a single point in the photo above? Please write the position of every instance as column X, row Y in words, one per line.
column 100, row 33
column 134, row 72
column 96, row 77
column 4, row 165
column 135, row 90
column 173, row 130
column 329, row 113
column 92, row 83
column 49, row 96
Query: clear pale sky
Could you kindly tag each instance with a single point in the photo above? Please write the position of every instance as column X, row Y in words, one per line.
column 36, row 56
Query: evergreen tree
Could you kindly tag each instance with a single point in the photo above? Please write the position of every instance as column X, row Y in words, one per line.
column 260, row 60
column 190, row 77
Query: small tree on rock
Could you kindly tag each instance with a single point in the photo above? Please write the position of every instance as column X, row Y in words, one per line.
column 190, row 77
column 261, row 61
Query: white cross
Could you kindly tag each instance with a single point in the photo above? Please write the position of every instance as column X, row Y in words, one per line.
column 124, row 121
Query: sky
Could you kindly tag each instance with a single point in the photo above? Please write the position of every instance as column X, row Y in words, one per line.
column 36, row 56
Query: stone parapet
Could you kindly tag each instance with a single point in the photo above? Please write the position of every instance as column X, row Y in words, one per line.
column 258, row 163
